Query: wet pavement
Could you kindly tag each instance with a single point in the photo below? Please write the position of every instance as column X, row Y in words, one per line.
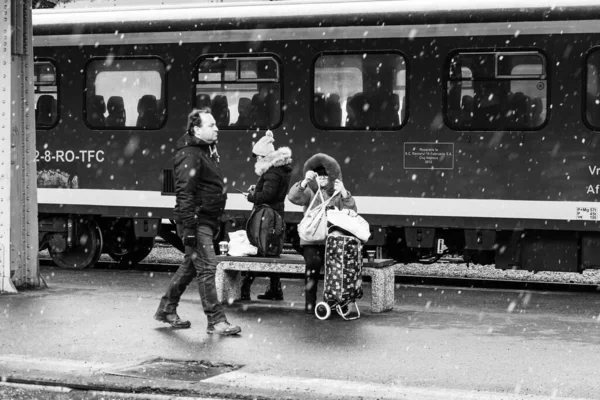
column 94, row 328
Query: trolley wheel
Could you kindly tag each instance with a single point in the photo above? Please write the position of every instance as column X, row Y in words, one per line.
column 322, row 310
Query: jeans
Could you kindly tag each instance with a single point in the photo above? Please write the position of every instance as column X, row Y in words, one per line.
column 314, row 256
column 198, row 262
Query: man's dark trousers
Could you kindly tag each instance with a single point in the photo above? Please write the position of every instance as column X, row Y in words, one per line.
column 200, row 261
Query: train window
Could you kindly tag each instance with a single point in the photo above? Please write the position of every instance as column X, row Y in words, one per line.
column 46, row 94
column 125, row 93
column 242, row 92
column 592, row 107
column 496, row 91
column 363, row 91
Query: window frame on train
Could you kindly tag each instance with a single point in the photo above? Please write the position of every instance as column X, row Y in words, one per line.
column 593, row 125
column 452, row 116
column 270, row 88
column 158, row 118
column 322, row 98
column 56, row 92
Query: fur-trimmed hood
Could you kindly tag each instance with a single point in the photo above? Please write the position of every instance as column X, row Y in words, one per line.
column 277, row 158
column 322, row 162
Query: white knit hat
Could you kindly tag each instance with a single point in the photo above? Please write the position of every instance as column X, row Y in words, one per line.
column 265, row 145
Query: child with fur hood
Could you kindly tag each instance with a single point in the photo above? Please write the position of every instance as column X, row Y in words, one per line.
column 321, row 172
column 274, row 170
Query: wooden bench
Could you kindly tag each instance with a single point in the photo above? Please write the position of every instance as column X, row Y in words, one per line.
column 229, row 281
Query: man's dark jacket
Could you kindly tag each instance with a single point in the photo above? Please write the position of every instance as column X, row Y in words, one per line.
column 199, row 188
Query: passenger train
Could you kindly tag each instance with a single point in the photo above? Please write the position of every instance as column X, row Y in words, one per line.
column 463, row 127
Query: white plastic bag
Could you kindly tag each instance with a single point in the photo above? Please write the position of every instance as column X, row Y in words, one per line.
column 313, row 227
column 239, row 245
column 351, row 222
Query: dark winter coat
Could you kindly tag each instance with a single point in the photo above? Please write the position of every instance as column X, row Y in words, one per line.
column 199, row 188
column 275, row 173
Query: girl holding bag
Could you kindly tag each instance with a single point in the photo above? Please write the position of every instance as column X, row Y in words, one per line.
column 323, row 180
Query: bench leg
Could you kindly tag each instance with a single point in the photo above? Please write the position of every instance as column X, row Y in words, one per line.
column 382, row 289
column 229, row 285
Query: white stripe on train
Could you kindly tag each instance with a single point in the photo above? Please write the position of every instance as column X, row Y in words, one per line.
column 423, row 207
column 347, row 32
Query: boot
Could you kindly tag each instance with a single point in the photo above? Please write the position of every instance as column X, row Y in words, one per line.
column 310, row 294
column 245, row 293
column 310, row 301
column 172, row 319
column 309, row 308
column 246, row 283
column 273, row 292
column 223, row 328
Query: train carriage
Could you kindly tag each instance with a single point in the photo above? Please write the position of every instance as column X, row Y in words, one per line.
column 470, row 129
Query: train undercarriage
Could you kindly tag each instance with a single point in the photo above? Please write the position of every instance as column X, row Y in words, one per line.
column 524, row 249
column 78, row 241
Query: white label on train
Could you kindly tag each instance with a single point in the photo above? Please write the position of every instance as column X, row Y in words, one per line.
column 587, row 213
column 70, row 156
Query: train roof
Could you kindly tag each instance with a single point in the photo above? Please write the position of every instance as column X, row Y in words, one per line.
column 290, row 14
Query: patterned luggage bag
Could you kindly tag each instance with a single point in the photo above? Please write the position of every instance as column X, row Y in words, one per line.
column 343, row 276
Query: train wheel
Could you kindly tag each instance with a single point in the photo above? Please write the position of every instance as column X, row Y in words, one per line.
column 322, row 310
column 134, row 255
column 86, row 249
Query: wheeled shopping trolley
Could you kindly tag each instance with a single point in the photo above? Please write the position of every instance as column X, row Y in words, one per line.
column 343, row 277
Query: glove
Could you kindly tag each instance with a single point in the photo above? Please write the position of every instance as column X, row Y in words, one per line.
column 189, row 237
column 310, row 175
column 339, row 186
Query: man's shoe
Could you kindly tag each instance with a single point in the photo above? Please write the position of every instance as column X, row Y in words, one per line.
column 272, row 294
column 172, row 319
column 223, row 328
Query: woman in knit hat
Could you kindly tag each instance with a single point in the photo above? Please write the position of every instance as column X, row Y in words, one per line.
column 321, row 173
column 274, row 170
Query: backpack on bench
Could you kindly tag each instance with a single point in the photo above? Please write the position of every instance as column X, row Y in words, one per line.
column 266, row 229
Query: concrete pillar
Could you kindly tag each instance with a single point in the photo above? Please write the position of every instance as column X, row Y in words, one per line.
column 18, row 189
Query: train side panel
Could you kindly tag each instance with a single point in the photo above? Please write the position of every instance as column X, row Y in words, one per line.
column 426, row 183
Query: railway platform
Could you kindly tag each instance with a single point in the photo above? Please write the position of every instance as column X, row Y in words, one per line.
column 92, row 330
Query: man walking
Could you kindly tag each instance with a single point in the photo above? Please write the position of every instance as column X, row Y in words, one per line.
column 200, row 201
